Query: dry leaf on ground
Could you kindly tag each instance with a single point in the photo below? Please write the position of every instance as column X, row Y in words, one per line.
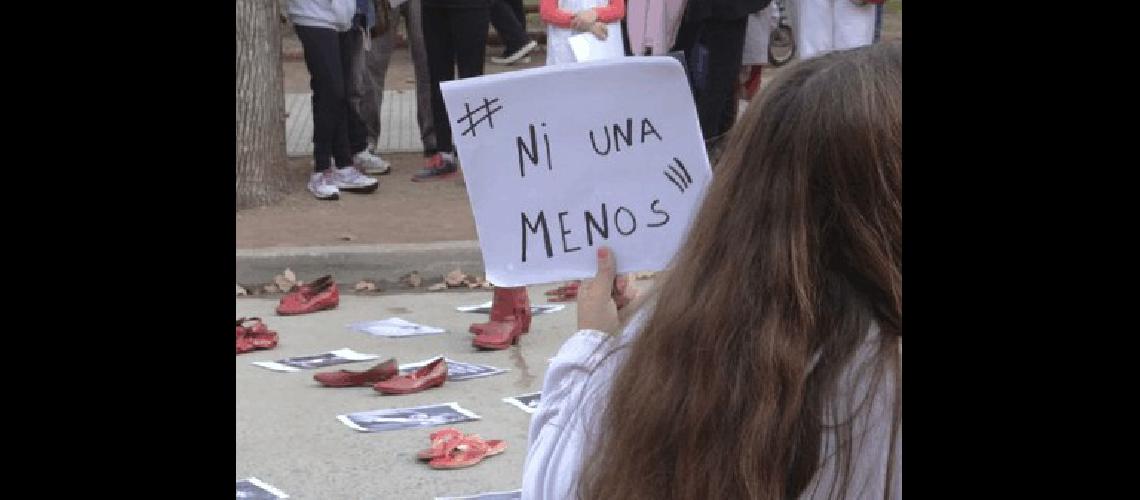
column 644, row 275
column 242, row 291
column 270, row 288
column 347, row 237
column 285, row 280
column 437, row 286
column 365, row 286
column 412, row 279
column 455, row 278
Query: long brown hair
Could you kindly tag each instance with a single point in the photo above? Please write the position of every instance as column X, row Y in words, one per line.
column 736, row 380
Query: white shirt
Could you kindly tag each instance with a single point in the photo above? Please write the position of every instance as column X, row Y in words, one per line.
column 575, row 390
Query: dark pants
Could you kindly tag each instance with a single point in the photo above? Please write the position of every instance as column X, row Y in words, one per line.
column 723, row 43
column 453, row 37
column 507, row 24
column 878, row 22
column 338, row 132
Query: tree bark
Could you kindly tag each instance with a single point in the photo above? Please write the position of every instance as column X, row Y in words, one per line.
column 262, row 171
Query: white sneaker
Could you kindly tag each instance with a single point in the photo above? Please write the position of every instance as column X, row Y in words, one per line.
column 323, row 185
column 350, row 179
column 371, row 163
column 518, row 54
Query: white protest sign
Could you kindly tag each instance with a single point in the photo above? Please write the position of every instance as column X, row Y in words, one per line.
column 562, row 159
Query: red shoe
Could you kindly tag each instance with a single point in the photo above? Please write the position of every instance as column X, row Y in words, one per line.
column 441, row 441
column 432, row 375
column 468, row 451
column 348, row 378
column 311, row 297
column 506, row 302
column 500, row 334
column 255, row 336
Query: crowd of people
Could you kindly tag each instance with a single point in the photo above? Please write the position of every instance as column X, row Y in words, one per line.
column 348, row 45
column 767, row 362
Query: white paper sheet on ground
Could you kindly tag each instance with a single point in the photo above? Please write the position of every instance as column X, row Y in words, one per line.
column 402, row 418
column 536, row 309
column 561, row 159
column 394, row 327
column 253, row 488
column 457, row 370
column 587, row 47
column 298, row 363
column 525, row 402
column 490, row 495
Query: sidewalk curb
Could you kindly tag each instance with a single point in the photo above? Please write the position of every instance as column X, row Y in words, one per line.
column 351, row 263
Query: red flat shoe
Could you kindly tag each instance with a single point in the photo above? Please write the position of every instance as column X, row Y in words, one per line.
column 468, row 451
column 311, row 297
column 348, row 378
column 506, row 302
column 434, row 374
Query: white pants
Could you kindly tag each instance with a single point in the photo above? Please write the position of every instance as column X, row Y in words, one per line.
column 825, row 25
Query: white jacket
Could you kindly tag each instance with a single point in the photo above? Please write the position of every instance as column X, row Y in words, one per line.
column 331, row 14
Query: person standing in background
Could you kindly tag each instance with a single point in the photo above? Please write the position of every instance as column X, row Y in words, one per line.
column 331, row 33
column 455, row 36
column 373, row 73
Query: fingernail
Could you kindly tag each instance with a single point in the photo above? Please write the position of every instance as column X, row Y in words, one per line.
column 603, row 253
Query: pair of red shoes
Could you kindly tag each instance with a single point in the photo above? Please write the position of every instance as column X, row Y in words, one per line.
column 451, row 449
column 383, row 377
column 254, row 336
column 319, row 295
column 510, row 319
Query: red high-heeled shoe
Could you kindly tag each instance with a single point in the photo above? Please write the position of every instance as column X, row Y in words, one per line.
column 507, row 302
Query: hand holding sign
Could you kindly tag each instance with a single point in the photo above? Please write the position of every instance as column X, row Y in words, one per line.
column 550, row 179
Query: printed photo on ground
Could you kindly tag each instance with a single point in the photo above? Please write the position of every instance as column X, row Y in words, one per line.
column 297, row 363
column 403, row 418
column 252, row 488
column 457, row 370
column 525, row 402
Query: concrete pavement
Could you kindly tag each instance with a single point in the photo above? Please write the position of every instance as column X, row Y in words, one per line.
column 287, row 431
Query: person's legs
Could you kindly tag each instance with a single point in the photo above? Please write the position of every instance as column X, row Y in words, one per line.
column 507, row 26
column 517, row 43
column 470, row 28
column 517, row 8
column 440, row 49
column 725, row 42
column 353, row 139
column 374, row 72
column 326, row 78
column 413, row 16
column 878, row 22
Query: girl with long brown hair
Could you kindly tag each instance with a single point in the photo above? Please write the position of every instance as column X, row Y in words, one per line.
column 767, row 364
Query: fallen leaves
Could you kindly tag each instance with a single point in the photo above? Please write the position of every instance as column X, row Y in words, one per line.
column 285, row 281
column 366, row 286
column 645, row 275
column 457, row 278
column 242, row 291
column 412, row 279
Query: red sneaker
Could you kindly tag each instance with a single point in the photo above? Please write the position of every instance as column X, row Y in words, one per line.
column 506, row 302
column 432, row 375
column 348, row 378
column 311, row 297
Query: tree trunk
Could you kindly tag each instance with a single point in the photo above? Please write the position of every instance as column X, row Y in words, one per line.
column 262, row 171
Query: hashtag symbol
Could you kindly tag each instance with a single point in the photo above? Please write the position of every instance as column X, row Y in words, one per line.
column 472, row 123
column 681, row 181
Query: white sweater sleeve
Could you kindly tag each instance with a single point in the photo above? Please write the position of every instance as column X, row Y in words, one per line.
column 556, row 434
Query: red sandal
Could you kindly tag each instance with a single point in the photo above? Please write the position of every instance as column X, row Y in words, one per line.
column 258, row 335
column 441, row 441
column 468, row 451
